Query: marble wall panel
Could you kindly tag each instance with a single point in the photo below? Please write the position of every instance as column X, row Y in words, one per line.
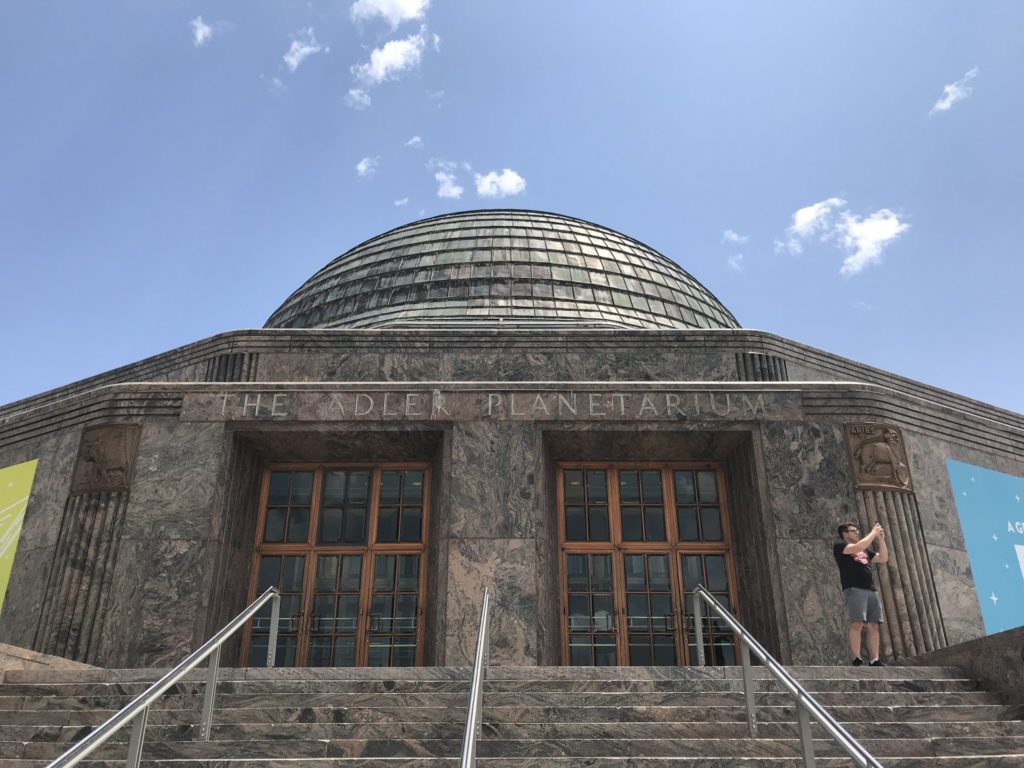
column 492, row 481
column 510, row 569
column 177, row 477
column 815, row 613
column 810, row 491
column 809, row 480
column 954, row 586
column 152, row 603
column 554, row 360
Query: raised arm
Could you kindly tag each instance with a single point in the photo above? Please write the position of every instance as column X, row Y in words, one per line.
column 883, row 550
column 860, row 546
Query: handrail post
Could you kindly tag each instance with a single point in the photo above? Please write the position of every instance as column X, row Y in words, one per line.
column 210, row 695
column 806, row 742
column 138, row 736
column 748, row 687
column 275, row 618
column 698, row 624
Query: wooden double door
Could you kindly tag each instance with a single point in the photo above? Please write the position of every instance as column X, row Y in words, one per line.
column 346, row 547
column 635, row 541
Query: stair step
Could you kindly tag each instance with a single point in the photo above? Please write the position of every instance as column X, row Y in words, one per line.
column 984, row 761
column 67, row 734
column 580, row 748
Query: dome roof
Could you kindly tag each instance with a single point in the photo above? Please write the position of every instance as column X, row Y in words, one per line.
column 508, row 268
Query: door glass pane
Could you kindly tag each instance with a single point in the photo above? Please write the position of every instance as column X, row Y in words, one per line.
column 710, row 524
column 686, row 491
column 399, row 516
column 591, row 610
column 285, row 573
column 335, row 609
column 649, row 609
column 394, row 611
column 708, row 487
column 344, row 507
column 586, row 505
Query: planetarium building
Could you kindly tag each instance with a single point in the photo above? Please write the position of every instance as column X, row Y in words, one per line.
column 507, row 399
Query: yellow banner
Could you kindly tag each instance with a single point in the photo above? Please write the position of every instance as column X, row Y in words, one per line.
column 15, row 487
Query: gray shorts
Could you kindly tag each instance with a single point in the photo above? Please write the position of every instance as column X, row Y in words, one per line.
column 863, row 605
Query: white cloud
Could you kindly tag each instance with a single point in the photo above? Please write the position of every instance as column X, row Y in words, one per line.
column 357, row 98
column 954, row 92
column 728, row 236
column 863, row 306
column 862, row 237
column 394, row 11
column 401, row 202
column 446, row 186
column 415, row 142
column 736, row 262
column 304, row 44
column 367, row 167
column 503, row 184
column 201, row 32
column 439, row 163
column 809, row 221
column 392, row 59
column 866, row 238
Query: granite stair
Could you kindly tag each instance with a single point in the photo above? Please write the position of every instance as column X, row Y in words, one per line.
column 534, row 717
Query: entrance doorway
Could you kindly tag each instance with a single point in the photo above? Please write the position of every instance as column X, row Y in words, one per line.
column 636, row 540
column 346, row 547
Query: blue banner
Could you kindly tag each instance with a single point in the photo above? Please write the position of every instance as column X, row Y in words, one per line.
column 991, row 510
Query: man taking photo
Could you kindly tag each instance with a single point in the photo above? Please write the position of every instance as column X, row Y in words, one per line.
column 854, row 557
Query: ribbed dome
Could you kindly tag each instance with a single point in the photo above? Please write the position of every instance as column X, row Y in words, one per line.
column 502, row 268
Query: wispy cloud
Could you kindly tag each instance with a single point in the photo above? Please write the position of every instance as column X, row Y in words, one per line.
column 401, row 202
column 729, row 236
column 304, row 44
column 394, row 58
column 863, row 238
column 504, row 184
column 367, row 167
column 274, row 84
column 866, row 238
column 415, row 142
column 357, row 98
column 736, row 262
column 954, row 92
column 447, row 186
column 863, row 306
column 809, row 221
column 201, row 31
column 394, row 11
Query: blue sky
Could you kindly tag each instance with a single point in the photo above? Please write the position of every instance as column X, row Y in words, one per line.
column 171, row 170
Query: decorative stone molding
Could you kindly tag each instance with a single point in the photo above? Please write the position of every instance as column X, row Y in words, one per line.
column 233, row 366
column 879, row 457
column 79, row 583
column 913, row 622
column 756, row 366
column 106, row 458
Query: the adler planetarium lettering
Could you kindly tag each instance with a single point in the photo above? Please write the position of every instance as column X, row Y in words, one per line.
column 472, row 404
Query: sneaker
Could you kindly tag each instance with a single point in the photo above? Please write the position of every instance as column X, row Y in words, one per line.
column 858, row 662
column 877, row 663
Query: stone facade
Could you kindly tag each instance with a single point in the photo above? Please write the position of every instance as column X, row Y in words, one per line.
column 139, row 534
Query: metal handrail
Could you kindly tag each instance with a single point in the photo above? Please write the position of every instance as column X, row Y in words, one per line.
column 806, row 705
column 138, row 708
column 474, row 711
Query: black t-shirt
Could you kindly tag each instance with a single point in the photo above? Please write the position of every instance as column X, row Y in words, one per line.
column 854, row 570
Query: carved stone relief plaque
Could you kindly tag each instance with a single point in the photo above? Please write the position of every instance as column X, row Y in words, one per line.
column 106, row 457
column 879, row 456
